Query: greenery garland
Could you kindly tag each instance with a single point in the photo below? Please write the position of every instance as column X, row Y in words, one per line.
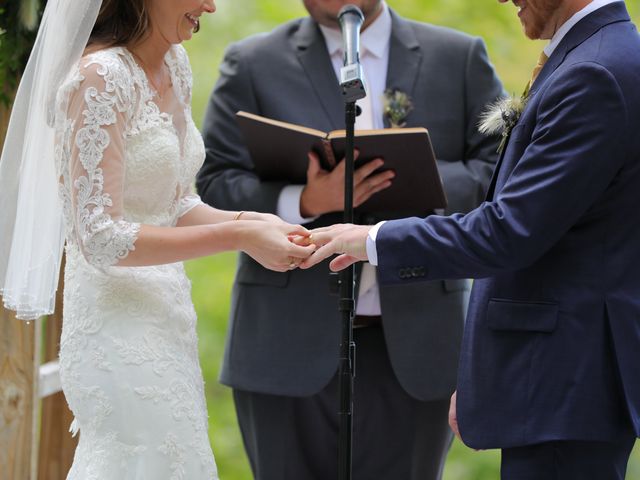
column 18, row 26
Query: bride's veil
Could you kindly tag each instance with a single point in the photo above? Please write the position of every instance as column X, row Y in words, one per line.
column 31, row 226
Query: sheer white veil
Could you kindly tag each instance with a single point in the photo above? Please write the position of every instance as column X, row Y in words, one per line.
column 31, row 226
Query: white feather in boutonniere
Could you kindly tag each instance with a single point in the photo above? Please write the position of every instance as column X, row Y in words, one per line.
column 397, row 106
column 501, row 116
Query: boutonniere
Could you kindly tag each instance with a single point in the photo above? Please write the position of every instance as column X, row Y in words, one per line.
column 501, row 116
column 397, row 106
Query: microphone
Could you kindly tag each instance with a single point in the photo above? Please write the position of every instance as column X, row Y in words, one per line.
column 351, row 74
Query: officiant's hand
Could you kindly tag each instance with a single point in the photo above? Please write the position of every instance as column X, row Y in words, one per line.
column 324, row 191
column 453, row 415
column 270, row 244
column 349, row 241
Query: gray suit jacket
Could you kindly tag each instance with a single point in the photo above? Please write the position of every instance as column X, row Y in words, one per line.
column 285, row 327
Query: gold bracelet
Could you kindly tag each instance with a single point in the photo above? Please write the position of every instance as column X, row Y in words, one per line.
column 237, row 216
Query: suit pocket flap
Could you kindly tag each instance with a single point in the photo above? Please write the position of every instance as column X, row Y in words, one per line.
column 522, row 316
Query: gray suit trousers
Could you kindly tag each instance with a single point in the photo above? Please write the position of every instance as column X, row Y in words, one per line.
column 395, row 436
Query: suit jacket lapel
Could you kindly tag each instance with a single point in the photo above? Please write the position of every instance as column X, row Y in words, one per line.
column 494, row 178
column 585, row 28
column 312, row 53
column 404, row 57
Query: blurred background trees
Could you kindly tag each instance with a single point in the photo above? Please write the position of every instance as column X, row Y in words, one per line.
column 512, row 54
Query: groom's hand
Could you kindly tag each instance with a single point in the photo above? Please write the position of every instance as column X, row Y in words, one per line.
column 349, row 241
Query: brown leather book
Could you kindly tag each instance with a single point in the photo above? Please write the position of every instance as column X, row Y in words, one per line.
column 279, row 152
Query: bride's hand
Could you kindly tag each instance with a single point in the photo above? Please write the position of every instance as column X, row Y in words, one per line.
column 268, row 243
column 262, row 217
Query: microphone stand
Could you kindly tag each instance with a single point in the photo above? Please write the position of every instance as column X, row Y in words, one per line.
column 353, row 89
column 346, row 367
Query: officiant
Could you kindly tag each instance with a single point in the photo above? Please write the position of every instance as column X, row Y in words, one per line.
column 281, row 356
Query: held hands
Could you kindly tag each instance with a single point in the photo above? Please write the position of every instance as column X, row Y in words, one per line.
column 269, row 241
column 324, row 191
column 349, row 241
column 262, row 217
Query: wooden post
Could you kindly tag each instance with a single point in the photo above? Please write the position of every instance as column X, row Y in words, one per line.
column 18, row 392
column 19, row 364
column 57, row 447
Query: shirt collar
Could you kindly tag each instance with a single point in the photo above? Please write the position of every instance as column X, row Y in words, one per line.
column 374, row 40
column 569, row 24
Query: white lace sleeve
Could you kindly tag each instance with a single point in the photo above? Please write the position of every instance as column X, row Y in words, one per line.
column 99, row 110
column 188, row 202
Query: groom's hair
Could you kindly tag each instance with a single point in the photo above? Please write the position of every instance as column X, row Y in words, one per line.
column 120, row 22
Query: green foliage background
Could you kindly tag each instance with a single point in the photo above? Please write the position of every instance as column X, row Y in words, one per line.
column 513, row 57
column 17, row 33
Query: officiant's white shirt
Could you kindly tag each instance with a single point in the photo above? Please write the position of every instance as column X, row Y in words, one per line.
column 374, row 58
column 372, row 252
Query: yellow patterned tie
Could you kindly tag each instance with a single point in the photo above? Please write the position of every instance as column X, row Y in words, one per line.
column 541, row 61
column 536, row 71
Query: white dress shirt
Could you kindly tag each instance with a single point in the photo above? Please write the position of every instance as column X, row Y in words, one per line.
column 569, row 24
column 374, row 58
column 372, row 252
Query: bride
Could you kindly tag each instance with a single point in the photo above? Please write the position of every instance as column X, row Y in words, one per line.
column 112, row 80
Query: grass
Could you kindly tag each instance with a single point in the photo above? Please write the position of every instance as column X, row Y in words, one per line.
column 513, row 57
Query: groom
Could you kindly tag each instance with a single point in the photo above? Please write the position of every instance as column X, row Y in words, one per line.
column 550, row 365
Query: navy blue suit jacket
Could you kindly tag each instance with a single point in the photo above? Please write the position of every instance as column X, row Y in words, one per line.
column 552, row 340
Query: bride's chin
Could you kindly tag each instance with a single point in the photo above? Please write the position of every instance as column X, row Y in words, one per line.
column 184, row 33
column 181, row 37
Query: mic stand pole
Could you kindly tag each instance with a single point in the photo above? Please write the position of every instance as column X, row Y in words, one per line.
column 347, row 309
column 353, row 88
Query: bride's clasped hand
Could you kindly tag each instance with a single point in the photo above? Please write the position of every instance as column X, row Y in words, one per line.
column 273, row 243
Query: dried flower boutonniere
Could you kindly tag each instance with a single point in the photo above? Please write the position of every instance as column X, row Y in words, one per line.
column 501, row 116
column 397, row 106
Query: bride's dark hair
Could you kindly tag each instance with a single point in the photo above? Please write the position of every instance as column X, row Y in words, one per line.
column 120, row 22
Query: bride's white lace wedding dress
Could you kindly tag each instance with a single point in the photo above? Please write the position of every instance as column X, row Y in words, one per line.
column 128, row 353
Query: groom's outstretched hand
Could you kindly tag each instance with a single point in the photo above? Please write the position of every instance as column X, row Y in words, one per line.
column 346, row 240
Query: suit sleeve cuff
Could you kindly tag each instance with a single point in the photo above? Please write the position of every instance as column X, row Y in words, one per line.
column 289, row 205
column 372, row 251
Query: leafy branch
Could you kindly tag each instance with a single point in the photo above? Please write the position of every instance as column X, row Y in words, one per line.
column 18, row 26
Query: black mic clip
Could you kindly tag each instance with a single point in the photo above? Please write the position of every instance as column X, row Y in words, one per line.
column 352, row 82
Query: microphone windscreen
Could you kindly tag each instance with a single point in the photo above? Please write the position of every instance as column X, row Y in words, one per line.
column 351, row 9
